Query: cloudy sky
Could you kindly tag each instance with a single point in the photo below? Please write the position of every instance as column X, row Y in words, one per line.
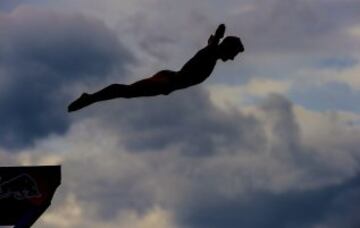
column 270, row 140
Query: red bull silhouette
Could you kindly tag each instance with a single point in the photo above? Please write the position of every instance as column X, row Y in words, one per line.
column 195, row 71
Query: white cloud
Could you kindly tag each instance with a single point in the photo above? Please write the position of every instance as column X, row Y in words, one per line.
column 354, row 31
column 350, row 77
column 333, row 136
column 75, row 213
column 307, row 77
column 237, row 95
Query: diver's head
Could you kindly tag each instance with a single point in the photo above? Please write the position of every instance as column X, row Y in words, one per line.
column 230, row 47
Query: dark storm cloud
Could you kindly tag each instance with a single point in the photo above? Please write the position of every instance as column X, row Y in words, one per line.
column 344, row 209
column 302, row 207
column 42, row 55
column 186, row 119
column 293, row 209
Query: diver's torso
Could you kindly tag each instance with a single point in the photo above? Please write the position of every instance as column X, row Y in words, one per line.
column 198, row 68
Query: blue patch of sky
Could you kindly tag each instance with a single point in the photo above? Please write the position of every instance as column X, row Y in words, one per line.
column 338, row 63
column 333, row 96
column 10, row 5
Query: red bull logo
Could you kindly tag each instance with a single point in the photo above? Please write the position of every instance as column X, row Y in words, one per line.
column 20, row 187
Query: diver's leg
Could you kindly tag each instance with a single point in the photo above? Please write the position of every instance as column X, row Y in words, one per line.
column 109, row 92
column 158, row 84
column 143, row 88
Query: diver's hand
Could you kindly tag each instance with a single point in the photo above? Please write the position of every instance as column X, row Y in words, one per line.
column 220, row 31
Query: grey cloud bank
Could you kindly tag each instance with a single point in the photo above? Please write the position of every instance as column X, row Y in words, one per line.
column 187, row 119
column 264, row 174
column 204, row 166
column 43, row 55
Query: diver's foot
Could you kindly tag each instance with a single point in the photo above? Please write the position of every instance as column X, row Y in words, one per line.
column 82, row 101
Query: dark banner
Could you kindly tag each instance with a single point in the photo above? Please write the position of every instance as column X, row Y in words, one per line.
column 26, row 192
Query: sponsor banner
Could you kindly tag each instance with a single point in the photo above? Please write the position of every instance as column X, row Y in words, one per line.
column 26, row 192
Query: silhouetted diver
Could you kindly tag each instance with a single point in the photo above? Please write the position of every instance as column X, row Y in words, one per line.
column 195, row 71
